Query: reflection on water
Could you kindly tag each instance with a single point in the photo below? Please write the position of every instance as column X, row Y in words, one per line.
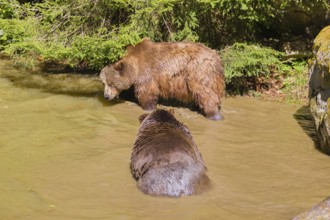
column 64, row 154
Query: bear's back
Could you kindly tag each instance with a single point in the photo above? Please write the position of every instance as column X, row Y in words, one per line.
column 162, row 145
column 170, row 54
column 170, row 144
column 169, row 164
column 165, row 159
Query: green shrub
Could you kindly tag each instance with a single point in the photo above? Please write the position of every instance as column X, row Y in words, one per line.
column 9, row 9
column 246, row 64
column 88, row 34
column 295, row 83
column 14, row 31
column 253, row 70
column 88, row 51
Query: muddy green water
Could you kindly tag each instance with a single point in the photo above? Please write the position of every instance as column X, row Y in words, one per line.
column 64, row 154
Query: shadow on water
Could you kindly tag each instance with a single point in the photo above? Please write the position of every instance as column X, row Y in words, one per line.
column 304, row 119
column 54, row 82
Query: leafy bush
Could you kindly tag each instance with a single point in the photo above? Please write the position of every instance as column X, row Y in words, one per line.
column 14, row 31
column 88, row 34
column 246, row 64
column 295, row 83
column 255, row 70
column 9, row 9
column 64, row 33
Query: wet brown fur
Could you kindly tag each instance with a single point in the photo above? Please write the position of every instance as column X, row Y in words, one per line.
column 165, row 159
column 188, row 72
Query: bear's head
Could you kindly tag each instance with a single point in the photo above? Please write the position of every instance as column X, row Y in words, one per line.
column 160, row 117
column 116, row 78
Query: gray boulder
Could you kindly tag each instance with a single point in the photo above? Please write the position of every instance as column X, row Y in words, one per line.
column 319, row 212
column 319, row 87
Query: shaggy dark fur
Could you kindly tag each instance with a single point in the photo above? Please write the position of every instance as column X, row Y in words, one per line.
column 165, row 160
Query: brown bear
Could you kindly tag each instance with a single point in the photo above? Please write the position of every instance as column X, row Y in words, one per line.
column 165, row 159
column 185, row 71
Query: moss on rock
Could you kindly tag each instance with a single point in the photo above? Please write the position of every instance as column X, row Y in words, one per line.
column 321, row 49
column 319, row 88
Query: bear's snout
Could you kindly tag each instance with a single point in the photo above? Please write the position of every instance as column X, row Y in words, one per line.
column 106, row 96
column 110, row 93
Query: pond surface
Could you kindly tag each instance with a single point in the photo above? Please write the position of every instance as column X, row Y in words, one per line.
column 65, row 154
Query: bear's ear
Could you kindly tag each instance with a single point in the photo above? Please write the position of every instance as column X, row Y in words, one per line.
column 142, row 117
column 119, row 66
column 171, row 110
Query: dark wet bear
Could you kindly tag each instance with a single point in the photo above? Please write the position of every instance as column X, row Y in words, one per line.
column 165, row 159
column 185, row 71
